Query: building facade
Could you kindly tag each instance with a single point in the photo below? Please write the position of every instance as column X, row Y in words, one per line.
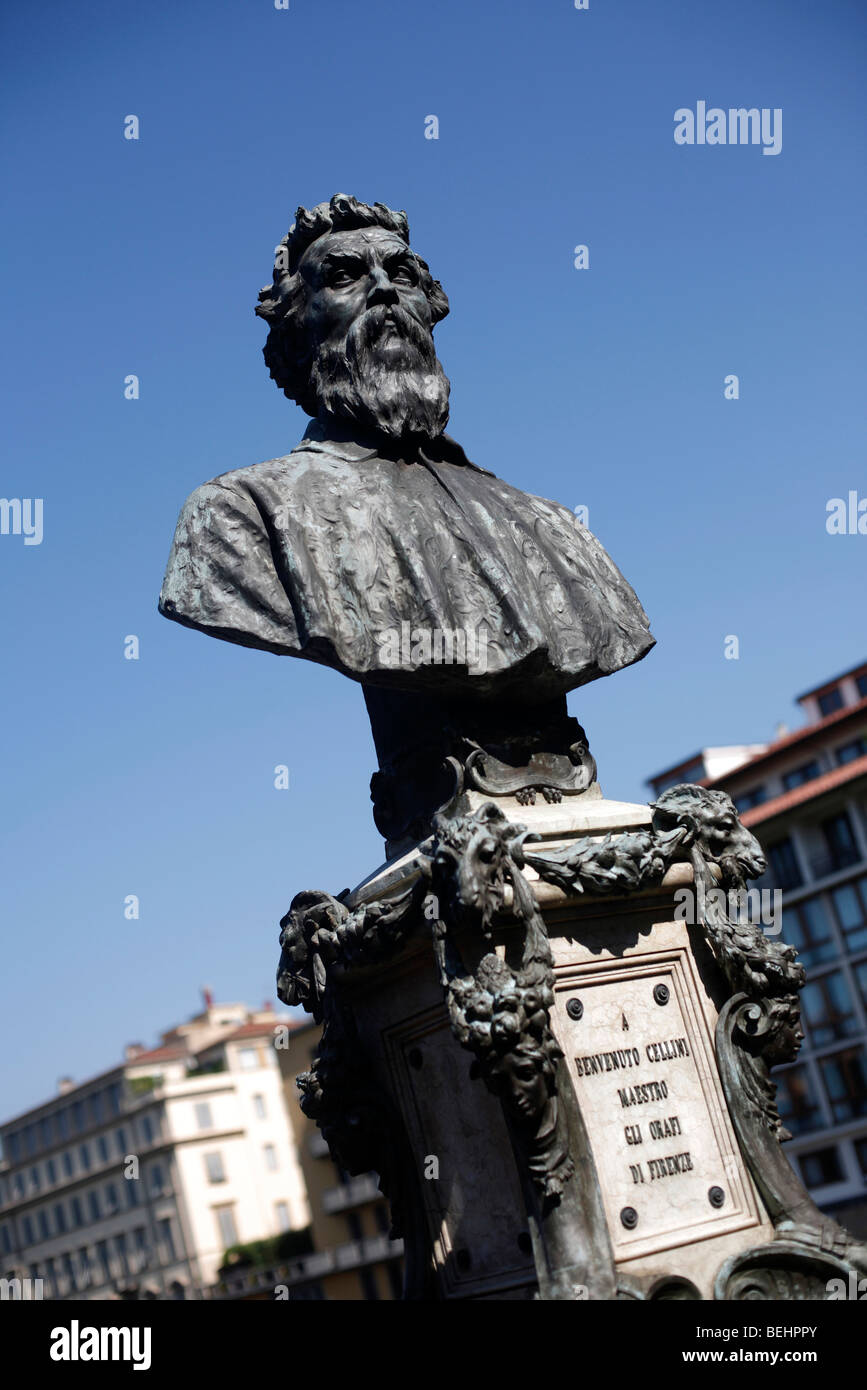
column 804, row 796
column 135, row 1183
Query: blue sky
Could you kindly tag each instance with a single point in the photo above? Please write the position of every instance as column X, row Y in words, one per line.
column 601, row 387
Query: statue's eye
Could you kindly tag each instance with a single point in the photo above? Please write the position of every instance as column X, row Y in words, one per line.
column 403, row 275
column 341, row 276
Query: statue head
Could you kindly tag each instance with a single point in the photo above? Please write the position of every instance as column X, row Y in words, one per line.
column 351, row 313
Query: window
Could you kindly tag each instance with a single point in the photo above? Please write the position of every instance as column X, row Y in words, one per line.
column 78, row 1116
column 831, row 701
column 156, row 1179
column 821, row 1167
column 798, row 1108
column 45, row 1132
column 784, row 866
column 44, row 1228
column 84, row 1157
column 66, row 1164
column 142, row 1248
column 51, row 1171
column 132, row 1192
column 799, row 775
column 120, row 1248
column 850, row 903
column 34, row 1179
column 848, row 752
column 861, row 1154
column 353, row 1221
column 214, row 1167
column 861, row 684
column 102, row 1148
column 111, row 1202
column 113, row 1095
column 270, row 1158
column 146, row 1129
column 18, row 1184
column 27, row 1230
column 77, row 1212
column 259, row 1107
column 248, row 1058
column 828, row 1009
column 93, row 1205
column 226, row 1222
column 13, row 1144
column 845, row 1078
column 30, row 1143
column 166, row 1238
column 747, row 800
column 840, row 839
column 61, row 1124
column 204, row 1119
column 84, row 1267
column 60, row 1218
column 105, row 1263
column 96, row 1108
column 860, row 973
column 120, row 1142
column 807, row 926
column 383, row 1223
column 282, row 1212
column 369, row 1289
column 5, row 1240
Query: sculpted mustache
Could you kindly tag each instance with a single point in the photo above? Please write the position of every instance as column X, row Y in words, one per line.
column 366, row 329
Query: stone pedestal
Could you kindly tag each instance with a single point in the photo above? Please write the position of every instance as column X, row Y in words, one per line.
column 674, row 1185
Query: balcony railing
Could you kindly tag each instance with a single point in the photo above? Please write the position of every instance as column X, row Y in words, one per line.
column 351, row 1255
column 351, row 1194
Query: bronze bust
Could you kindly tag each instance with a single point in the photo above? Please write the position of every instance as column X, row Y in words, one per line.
column 464, row 607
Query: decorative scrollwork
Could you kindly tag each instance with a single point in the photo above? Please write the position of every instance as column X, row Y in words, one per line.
column 501, row 1013
column 683, row 818
column 319, row 931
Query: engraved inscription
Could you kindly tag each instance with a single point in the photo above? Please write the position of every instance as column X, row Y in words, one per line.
column 654, row 1111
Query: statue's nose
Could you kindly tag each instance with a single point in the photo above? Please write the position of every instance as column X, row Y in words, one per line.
column 381, row 290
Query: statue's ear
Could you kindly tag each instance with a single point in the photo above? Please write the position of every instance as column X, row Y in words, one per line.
column 438, row 300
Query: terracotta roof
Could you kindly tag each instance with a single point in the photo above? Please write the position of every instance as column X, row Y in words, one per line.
column 835, row 680
column 817, row 786
column 782, row 745
column 252, row 1030
column 157, row 1054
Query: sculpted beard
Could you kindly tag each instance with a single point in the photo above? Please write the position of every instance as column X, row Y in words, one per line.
column 385, row 374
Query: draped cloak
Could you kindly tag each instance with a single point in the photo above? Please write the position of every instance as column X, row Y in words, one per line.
column 328, row 552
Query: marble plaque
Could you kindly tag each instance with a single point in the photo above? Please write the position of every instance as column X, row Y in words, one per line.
column 642, row 1063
